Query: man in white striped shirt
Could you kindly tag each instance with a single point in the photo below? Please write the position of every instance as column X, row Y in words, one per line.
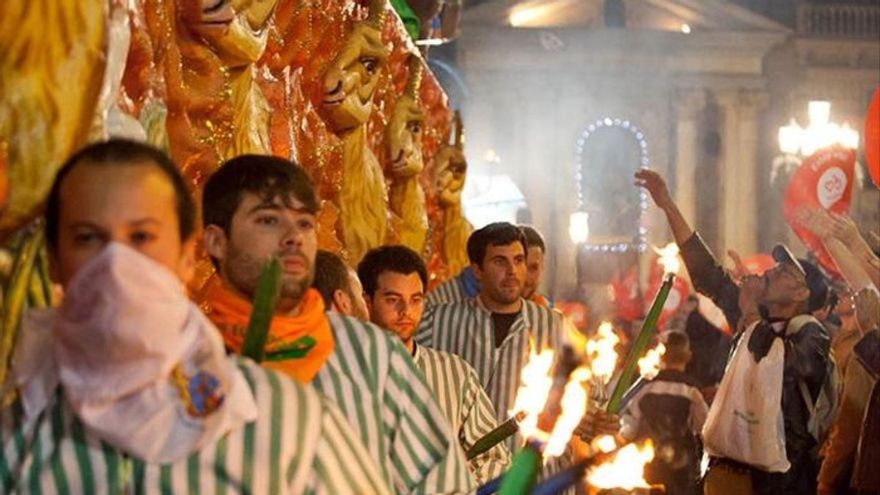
column 126, row 388
column 256, row 207
column 465, row 285
column 493, row 330
column 394, row 278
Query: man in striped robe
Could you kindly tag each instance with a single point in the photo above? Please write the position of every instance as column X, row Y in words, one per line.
column 493, row 330
column 465, row 285
column 394, row 280
column 255, row 207
column 126, row 387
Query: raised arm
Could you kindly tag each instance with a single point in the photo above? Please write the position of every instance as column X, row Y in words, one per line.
column 841, row 238
column 656, row 187
column 707, row 275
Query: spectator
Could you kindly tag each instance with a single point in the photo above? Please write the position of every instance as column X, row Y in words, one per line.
column 791, row 289
column 852, row 455
column 670, row 410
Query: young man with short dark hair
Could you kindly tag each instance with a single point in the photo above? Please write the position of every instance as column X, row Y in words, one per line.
column 466, row 285
column 126, row 387
column 339, row 286
column 256, row 207
column 394, row 279
column 535, row 252
column 493, row 330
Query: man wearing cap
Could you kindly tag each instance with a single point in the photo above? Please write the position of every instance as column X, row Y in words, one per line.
column 778, row 305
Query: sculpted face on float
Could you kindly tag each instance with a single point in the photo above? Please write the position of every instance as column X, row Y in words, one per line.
column 450, row 174
column 405, row 139
column 352, row 77
column 133, row 205
column 235, row 29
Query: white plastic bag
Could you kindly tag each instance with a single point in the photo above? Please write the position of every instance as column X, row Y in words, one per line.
column 745, row 422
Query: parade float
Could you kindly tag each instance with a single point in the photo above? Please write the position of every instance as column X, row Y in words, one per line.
column 338, row 86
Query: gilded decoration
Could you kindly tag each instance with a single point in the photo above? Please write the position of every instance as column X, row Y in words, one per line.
column 405, row 163
column 316, row 81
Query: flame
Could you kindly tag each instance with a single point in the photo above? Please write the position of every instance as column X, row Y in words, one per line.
column 574, row 405
column 669, row 258
column 600, row 351
column 649, row 365
column 534, row 388
column 625, row 469
column 604, row 443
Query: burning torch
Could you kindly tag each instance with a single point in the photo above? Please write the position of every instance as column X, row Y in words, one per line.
column 649, row 327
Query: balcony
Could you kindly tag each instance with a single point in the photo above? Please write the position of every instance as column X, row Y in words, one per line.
column 839, row 21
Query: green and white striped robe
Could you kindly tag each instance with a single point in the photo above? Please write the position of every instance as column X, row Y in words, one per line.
column 465, row 329
column 372, row 379
column 449, row 291
column 298, row 444
column 465, row 405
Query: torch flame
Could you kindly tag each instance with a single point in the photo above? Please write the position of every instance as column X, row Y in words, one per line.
column 600, row 350
column 649, row 365
column 604, row 443
column 625, row 469
column 534, row 389
column 669, row 258
column 574, row 405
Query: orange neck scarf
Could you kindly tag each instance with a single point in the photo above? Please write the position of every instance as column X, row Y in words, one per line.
column 296, row 345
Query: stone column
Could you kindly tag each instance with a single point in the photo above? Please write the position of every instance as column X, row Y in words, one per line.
column 751, row 105
column 738, row 215
column 688, row 106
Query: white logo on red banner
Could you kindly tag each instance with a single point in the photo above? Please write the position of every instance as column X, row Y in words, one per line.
column 831, row 186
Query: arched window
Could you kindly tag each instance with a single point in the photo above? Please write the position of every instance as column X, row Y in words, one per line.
column 609, row 151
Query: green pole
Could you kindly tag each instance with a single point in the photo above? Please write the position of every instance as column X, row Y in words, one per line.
column 265, row 296
column 523, row 472
column 640, row 345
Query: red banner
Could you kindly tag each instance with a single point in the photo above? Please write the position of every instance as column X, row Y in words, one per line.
column 872, row 138
column 824, row 180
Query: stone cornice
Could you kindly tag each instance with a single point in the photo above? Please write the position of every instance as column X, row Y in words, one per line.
column 617, row 51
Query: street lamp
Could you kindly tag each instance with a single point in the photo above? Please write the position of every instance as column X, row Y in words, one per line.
column 796, row 142
column 579, row 227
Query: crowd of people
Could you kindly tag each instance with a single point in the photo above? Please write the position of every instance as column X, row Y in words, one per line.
column 371, row 383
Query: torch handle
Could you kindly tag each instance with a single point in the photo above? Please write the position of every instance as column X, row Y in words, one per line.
column 501, row 433
column 640, row 344
column 265, row 296
column 523, row 472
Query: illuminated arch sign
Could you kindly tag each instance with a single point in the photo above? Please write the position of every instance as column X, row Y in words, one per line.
column 613, row 186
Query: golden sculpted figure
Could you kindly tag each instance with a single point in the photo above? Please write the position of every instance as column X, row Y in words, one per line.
column 215, row 108
column 405, row 163
column 450, row 168
column 51, row 69
column 349, row 84
column 237, row 33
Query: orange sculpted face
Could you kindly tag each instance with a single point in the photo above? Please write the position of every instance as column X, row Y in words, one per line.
column 351, row 79
column 235, row 29
column 451, row 167
column 405, row 139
